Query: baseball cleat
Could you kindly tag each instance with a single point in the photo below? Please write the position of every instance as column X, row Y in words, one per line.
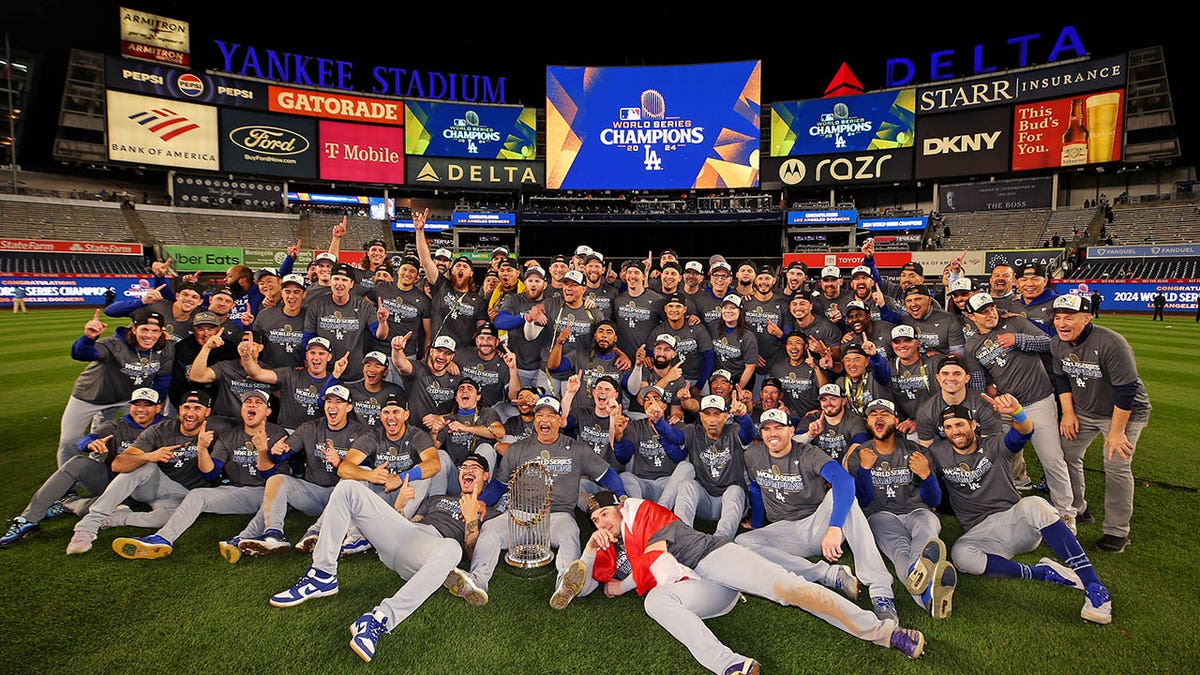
column 314, row 584
column 18, row 529
column 57, row 509
column 909, row 641
column 941, row 590
column 461, row 585
column 307, row 542
column 885, row 609
column 229, row 550
column 1112, row 543
column 569, row 585
column 746, row 667
column 921, row 573
column 271, row 542
column 1058, row 573
column 1097, row 607
column 845, row 582
column 1086, row 518
column 81, row 542
column 142, row 548
column 367, row 630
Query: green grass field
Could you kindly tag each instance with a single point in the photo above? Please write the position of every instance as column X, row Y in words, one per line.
column 193, row 612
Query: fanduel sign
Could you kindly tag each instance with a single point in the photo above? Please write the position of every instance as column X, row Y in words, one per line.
column 314, row 71
column 1021, row 50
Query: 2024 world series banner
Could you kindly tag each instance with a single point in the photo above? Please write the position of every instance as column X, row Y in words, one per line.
column 653, row 127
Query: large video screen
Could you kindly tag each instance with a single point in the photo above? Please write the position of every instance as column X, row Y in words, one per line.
column 1065, row 132
column 822, row 126
column 440, row 129
column 653, row 127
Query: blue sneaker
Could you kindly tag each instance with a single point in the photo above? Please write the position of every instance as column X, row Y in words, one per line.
column 229, row 550
column 885, row 609
column 142, row 548
column 314, row 584
column 1097, row 608
column 921, row 572
column 366, row 631
column 270, row 543
column 352, row 546
column 845, row 582
column 909, row 641
column 746, row 667
column 56, row 509
column 18, row 529
column 1057, row 573
column 941, row 590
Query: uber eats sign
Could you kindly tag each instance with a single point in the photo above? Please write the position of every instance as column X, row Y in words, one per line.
column 204, row 258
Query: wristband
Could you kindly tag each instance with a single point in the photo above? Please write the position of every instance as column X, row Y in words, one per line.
column 1019, row 415
column 413, row 475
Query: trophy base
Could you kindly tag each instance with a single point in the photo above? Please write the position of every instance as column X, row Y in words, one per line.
column 529, row 564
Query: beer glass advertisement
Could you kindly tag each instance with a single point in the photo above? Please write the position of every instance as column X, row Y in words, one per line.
column 653, row 127
column 883, row 121
column 1065, row 132
column 438, row 129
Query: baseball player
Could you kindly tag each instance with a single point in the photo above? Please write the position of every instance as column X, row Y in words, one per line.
column 493, row 369
column 1007, row 352
column 866, row 376
column 799, row 374
column 637, row 310
column 131, row 358
column 897, row 491
column 456, row 307
column 176, row 306
column 997, row 522
column 372, row 390
column 301, row 390
column 693, row 343
column 953, row 375
column 471, row 428
column 686, row 576
column 661, row 368
column 230, row 376
column 804, row 317
column 716, row 451
column 861, row 327
column 523, row 315
column 345, row 319
column 567, row 462
column 591, row 424
column 157, row 469
column 788, row 488
column 835, row 428
column 431, row 385
column 570, row 320
column 280, row 328
column 601, row 359
column 205, row 325
column 324, row 444
column 910, row 377
column 408, row 307
column 423, row 548
column 1036, row 299
column 92, row 469
column 239, row 453
column 1097, row 382
column 652, row 473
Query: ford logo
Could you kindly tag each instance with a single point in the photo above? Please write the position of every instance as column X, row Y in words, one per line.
column 269, row 140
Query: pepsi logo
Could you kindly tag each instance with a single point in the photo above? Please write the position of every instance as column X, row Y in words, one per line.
column 190, row 85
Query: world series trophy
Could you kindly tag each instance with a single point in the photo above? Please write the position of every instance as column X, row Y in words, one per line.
column 529, row 495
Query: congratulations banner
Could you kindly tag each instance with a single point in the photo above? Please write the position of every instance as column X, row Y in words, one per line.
column 666, row 127
column 455, row 130
column 1121, row 296
column 844, row 124
column 74, row 290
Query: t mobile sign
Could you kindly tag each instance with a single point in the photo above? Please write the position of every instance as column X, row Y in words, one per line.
column 362, row 153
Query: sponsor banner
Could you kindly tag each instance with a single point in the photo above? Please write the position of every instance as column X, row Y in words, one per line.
column 1018, row 257
column 886, row 224
column 146, row 130
column 1042, row 132
column 483, row 173
column 441, row 129
column 1027, row 85
column 406, row 225
column 315, row 198
column 155, row 79
column 824, row 126
column 935, row 261
column 52, row 246
column 205, row 191
column 972, row 143
column 258, row 258
column 74, row 290
column 154, row 38
column 653, row 127
column 483, row 219
column 362, row 153
column 1164, row 251
column 335, row 106
column 1000, row 195
column 1124, row 296
column 274, row 145
column 204, row 258
column 846, row 260
column 831, row 217
column 899, row 239
column 884, row 166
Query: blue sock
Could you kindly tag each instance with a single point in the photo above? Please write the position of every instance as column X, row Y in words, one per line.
column 1064, row 544
column 1008, row 569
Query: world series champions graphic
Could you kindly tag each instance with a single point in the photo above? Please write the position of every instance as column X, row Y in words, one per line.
column 653, row 127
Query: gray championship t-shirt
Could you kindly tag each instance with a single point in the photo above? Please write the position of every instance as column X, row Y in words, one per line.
column 310, row 440
column 980, row 483
column 836, row 439
column 183, row 466
column 236, row 451
column 792, row 486
column 566, row 460
column 896, row 488
column 1102, row 361
column 282, row 337
column 1013, row 371
column 929, row 420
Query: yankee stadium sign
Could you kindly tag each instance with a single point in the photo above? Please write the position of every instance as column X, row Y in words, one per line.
column 313, row 71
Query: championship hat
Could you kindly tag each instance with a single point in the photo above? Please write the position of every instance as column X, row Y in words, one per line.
column 721, row 372
column 376, row 356
column 293, row 279
column 144, row 394
column 1071, row 303
column 600, row 500
column 960, row 285
column 548, row 402
column 205, row 319
column 860, row 269
column 980, row 302
column 266, row 272
column 444, row 342
column 694, row 266
column 904, row 331
column 667, row 339
column 318, row 341
column 774, row 416
column 880, row 404
column 713, row 401
column 256, row 393
column 831, row 272
column 574, row 277
column 830, row 390
column 443, row 253
column 340, row 392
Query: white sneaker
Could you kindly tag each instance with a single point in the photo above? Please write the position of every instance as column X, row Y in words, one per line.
column 81, row 542
column 461, row 585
